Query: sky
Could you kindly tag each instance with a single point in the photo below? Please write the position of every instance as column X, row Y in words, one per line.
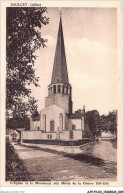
column 90, row 36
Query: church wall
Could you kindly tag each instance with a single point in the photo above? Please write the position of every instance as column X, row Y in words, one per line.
column 52, row 113
column 61, row 100
column 48, row 101
column 76, row 122
column 34, row 125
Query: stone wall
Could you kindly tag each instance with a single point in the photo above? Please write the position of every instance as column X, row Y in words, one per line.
column 39, row 135
column 30, row 135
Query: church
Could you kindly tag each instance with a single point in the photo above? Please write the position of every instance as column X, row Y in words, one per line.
column 57, row 121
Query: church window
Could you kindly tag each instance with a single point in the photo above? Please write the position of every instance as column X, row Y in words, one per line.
column 52, row 125
column 54, row 89
column 48, row 91
column 69, row 91
column 63, row 88
column 58, row 88
column 58, row 80
column 50, row 136
column 38, row 128
column 66, row 89
column 71, row 134
column 47, row 136
column 73, row 127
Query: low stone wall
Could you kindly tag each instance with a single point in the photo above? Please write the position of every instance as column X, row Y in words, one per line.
column 29, row 135
column 63, row 138
column 48, row 136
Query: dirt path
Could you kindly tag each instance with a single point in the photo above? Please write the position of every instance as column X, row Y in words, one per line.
column 44, row 166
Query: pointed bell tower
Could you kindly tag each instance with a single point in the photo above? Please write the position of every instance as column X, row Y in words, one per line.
column 60, row 91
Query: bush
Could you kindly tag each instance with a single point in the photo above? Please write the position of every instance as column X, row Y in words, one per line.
column 15, row 170
column 59, row 142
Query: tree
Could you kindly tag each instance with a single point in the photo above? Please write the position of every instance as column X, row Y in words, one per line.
column 109, row 122
column 18, row 122
column 94, row 121
column 23, row 39
column 79, row 111
column 35, row 114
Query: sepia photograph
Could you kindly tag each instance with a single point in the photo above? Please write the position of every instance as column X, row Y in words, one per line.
column 62, row 88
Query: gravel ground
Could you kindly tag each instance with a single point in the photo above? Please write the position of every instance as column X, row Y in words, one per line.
column 45, row 166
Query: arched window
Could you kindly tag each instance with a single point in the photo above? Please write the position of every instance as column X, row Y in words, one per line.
column 52, row 125
column 44, row 122
column 66, row 89
column 73, row 127
column 63, row 88
column 58, row 88
column 54, row 89
column 61, row 122
column 71, row 134
column 49, row 91
column 69, row 90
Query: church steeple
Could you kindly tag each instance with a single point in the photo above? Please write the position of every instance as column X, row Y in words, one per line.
column 60, row 91
column 60, row 73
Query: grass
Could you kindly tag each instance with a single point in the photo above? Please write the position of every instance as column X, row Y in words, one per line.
column 59, row 142
column 15, row 170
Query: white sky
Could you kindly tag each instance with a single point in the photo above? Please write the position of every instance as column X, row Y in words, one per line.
column 90, row 45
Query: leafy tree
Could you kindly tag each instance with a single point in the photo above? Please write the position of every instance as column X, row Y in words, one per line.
column 79, row 111
column 23, row 39
column 109, row 122
column 18, row 122
column 94, row 121
column 35, row 114
column 98, row 123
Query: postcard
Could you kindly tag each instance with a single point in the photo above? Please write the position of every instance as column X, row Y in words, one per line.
column 61, row 93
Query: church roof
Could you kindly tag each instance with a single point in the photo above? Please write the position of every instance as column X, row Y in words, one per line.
column 60, row 73
column 75, row 116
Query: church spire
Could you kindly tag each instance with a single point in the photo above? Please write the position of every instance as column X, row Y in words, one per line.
column 60, row 73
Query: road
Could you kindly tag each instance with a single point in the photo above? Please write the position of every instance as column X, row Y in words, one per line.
column 45, row 166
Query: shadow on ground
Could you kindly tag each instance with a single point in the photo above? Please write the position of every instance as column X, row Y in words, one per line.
column 87, row 159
